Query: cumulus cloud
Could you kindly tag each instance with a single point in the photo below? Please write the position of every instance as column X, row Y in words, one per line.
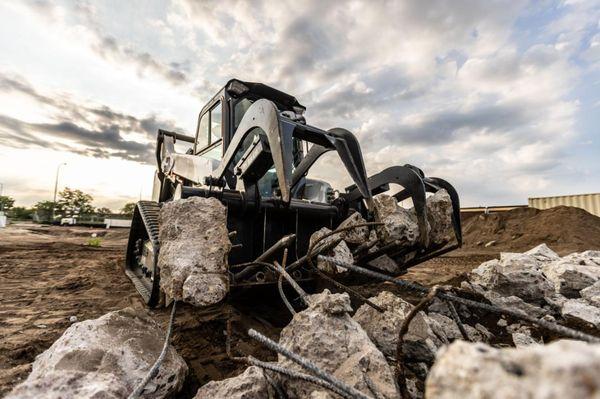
column 86, row 129
column 481, row 93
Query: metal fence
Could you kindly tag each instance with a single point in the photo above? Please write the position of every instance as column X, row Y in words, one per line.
column 589, row 202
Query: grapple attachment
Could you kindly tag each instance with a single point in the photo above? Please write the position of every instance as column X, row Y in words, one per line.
column 430, row 219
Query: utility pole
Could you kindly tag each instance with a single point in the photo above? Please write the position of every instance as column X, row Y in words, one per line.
column 56, row 189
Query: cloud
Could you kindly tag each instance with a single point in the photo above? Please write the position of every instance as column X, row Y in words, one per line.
column 481, row 93
column 86, row 129
column 109, row 48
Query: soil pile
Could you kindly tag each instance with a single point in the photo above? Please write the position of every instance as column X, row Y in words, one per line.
column 565, row 229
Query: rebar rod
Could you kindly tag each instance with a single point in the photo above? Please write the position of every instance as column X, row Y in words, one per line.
column 554, row 327
column 297, row 375
column 284, row 242
column 292, row 282
column 275, row 385
column 137, row 391
column 400, row 375
column 307, row 364
column 283, row 297
column 457, row 320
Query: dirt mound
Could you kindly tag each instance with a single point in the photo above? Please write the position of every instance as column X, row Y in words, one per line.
column 565, row 229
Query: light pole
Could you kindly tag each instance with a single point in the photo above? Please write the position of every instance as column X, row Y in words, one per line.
column 56, row 188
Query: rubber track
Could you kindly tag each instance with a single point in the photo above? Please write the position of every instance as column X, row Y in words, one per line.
column 149, row 211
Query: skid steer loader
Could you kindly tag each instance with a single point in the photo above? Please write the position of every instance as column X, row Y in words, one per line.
column 252, row 151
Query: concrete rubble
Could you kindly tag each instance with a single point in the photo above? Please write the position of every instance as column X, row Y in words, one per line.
column 420, row 343
column 543, row 284
column 358, row 235
column 592, row 294
column 561, row 369
column 251, row 384
column 105, row 358
column 570, row 277
column 326, row 335
column 511, row 276
column 341, row 252
column 399, row 224
column 439, row 216
column 580, row 312
column 194, row 249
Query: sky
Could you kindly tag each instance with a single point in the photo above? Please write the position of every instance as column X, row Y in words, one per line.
column 501, row 98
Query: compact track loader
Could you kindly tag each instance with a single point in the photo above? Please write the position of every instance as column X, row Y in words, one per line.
column 252, row 151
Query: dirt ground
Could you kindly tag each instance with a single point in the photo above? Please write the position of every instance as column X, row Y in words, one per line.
column 49, row 274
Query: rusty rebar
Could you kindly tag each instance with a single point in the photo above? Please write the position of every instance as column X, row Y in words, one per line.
column 297, row 375
column 307, row 364
column 457, row 320
column 400, row 376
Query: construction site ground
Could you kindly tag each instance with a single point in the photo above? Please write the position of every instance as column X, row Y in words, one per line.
column 50, row 275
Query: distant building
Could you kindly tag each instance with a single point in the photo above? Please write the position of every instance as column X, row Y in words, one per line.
column 467, row 212
column 589, row 202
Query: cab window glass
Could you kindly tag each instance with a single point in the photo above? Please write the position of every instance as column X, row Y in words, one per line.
column 215, row 152
column 215, row 123
column 202, row 140
column 239, row 110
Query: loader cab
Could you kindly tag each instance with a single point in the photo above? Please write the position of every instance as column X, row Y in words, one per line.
column 220, row 117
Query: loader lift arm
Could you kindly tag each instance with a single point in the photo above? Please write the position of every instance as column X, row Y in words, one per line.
column 279, row 130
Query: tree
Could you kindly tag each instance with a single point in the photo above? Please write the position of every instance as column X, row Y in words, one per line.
column 6, row 202
column 103, row 211
column 20, row 213
column 43, row 211
column 128, row 209
column 74, row 202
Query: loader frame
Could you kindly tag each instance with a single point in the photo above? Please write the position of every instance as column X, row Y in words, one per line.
column 275, row 123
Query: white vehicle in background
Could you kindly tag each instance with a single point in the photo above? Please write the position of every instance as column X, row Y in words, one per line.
column 68, row 221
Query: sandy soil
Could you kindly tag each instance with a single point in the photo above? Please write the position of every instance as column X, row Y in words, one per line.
column 48, row 274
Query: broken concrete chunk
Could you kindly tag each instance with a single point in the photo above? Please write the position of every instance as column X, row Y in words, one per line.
column 341, row 252
column 581, row 312
column 562, row 369
column 439, row 216
column 251, row 384
column 358, row 235
column 510, row 261
column 205, row 289
column 105, row 357
column 385, row 264
column 588, row 258
column 420, row 343
column 542, row 253
column 592, row 294
column 444, row 326
column 515, row 303
column 194, row 249
column 326, row 335
column 508, row 279
column 70, row 384
column 556, row 301
column 399, row 224
column 569, row 278
column 521, row 339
